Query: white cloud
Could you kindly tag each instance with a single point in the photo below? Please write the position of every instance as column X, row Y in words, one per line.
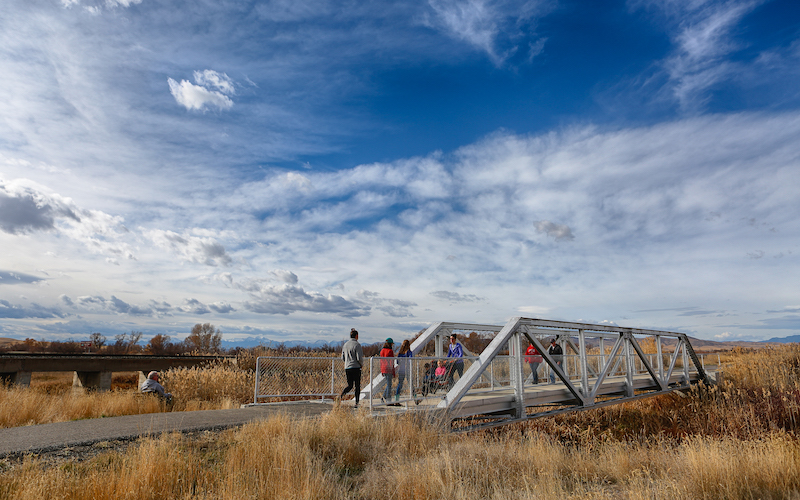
column 197, row 97
column 95, row 9
column 194, row 307
column 122, row 3
column 472, row 21
column 201, row 249
column 220, row 81
column 702, row 34
column 481, row 23
column 472, row 227
column 285, row 276
column 26, row 207
column 286, row 299
column 536, row 311
column 455, row 296
column 221, row 307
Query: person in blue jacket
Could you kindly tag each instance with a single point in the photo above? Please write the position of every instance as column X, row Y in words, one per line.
column 457, row 365
column 403, row 366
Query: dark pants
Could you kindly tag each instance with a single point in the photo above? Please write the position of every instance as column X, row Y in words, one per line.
column 353, row 380
column 457, row 366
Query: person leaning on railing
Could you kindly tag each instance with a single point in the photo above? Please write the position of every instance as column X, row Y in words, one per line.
column 353, row 357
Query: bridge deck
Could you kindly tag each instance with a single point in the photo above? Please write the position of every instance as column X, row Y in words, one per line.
column 487, row 401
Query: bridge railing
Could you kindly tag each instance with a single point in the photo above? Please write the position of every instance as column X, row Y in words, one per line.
column 419, row 382
column 282, row 378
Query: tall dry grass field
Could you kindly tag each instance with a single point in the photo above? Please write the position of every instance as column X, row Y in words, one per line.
column 735, row 441
column 51, row 397
column 345, row 455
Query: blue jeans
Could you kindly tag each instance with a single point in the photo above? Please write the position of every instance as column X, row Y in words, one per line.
column 553, row 372
column 400, row 378
column 535, row 372
column 387, row 393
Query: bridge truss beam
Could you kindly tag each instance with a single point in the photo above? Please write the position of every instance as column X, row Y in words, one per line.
column 625, row 352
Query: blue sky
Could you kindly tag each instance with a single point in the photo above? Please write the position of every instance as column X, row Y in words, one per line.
column 292, row 169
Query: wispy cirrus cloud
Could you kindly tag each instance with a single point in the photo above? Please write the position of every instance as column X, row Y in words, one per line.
column 491, row 26
column 702, row 33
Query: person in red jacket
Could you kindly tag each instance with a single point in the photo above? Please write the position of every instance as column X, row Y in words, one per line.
column 387, row 368
column 533, row 357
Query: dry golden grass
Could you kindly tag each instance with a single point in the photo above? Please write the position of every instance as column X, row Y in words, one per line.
column 51, row 397
column 730, row 442
column 343, row 456
column 19, row 406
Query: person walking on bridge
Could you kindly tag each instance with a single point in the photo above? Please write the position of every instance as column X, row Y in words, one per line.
column 558, row 356
column 403, row 366
column 353, row 357
column 533, row 357
column 387, row 368
column 455, row 351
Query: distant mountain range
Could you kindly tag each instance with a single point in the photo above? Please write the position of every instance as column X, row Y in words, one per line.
column 785, row 340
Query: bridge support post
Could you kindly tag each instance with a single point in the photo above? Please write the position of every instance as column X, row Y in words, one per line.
column 517, row 373
column 101, row 381
column 685, row 364
column 438, row 350
column 630, row 369
column 21, row 378
column 584, row 367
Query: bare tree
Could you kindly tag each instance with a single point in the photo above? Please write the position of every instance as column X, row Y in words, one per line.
column 98, row 340
column 204, row 338
column 126, row 343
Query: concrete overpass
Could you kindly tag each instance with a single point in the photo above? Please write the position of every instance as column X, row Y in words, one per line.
column 92, row 370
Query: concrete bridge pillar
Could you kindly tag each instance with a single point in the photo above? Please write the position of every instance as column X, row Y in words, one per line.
column 92, row 380
column 18, row 378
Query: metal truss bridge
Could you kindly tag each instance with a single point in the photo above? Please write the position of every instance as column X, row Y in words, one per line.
column 601, row 365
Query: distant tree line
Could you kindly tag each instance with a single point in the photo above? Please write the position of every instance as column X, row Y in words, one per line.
column 206, row 339
column 203, row 339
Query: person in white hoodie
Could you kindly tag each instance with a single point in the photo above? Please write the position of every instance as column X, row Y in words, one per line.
column 353, row 357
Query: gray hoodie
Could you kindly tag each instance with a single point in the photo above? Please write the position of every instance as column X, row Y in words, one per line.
column 352, row 354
